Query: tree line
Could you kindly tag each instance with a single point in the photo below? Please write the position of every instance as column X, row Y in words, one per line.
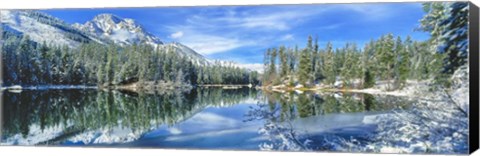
column 30, row 63
column 389, row 58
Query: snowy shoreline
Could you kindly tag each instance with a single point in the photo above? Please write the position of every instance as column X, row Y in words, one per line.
column 18, row 88
column 430, row 126
column 436, row 123
column 411, row 89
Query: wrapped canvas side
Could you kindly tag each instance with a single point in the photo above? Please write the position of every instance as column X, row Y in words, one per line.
column 474, row 86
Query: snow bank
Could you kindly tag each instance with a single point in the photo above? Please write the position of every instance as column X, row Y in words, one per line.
column 460, row 93
column 436, row 123
column 430, row 126
column 411, row 89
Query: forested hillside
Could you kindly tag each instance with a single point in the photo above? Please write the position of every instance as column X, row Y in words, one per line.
column 389, row 58
column 28, row 63
column 41, row 50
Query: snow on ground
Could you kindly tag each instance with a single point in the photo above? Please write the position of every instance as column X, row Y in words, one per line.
column 430, row 126
column 461, row 82
column 436, row 123
column 124, row 36
column 411, row 89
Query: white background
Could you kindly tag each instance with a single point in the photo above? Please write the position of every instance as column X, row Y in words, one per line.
column 81, row 151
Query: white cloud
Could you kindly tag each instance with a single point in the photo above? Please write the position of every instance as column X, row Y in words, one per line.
column 214, row 45
column 332, row 26
column 178, row 34
column 207, row 43
column 209, row 33
column 369, row 11
column 210, row 44
column 252, row 66
column 273, row 21
column 287, row 37
column 212, row 32
column 268, row 19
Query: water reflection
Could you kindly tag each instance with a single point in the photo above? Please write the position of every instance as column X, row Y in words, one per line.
column 303, row 122
column 59, row 114
column 311, row 104
column 199, row 118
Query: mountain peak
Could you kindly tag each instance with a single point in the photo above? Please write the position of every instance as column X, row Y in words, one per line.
column 123, row 31
column 108, row 18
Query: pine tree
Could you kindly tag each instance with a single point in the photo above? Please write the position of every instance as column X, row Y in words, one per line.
column 455, row 37
column 273, row 69
column 369, row 79
column 368, row 64
column 305, row 64
column 110, row 64
column 396, row 66
column 346, row 65
column 387, row 58
column 266, row 65
column 292, row 63
column 22, row 54
column 447, row 22
column 316, row 61
column 404, row 63
column 284, row 68
column 329, row 65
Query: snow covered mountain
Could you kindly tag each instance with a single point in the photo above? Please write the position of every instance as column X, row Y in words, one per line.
column 41, row 27
column 185, row 51
column 123, row 31
column 103, row 28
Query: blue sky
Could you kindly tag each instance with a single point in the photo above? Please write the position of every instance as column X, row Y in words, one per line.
column 243, row 33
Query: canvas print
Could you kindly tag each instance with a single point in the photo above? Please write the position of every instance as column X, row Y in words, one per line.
column 359, row 77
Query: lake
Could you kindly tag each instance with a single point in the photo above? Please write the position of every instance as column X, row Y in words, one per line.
column 202, row 118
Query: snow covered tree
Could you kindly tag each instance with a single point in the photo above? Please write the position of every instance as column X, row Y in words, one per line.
column 305, row 68
column 284, row 68
column 387, row 58
column 404, row 62
column 447, row 23
column 455, row 37
column 367, row 65
column 396, row 64
column 273, row 68
column 329, row 64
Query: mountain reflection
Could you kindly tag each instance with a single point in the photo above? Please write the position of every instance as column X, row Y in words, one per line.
column 200, row 118
column 52, row 116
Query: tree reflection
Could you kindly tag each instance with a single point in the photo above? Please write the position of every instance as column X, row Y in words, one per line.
column 280, row 111
column 75, row 111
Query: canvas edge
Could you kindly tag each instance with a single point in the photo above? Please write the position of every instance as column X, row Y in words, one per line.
column 1, row 79
column 474, row 78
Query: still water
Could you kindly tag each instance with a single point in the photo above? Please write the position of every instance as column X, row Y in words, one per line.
column 202, row 118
